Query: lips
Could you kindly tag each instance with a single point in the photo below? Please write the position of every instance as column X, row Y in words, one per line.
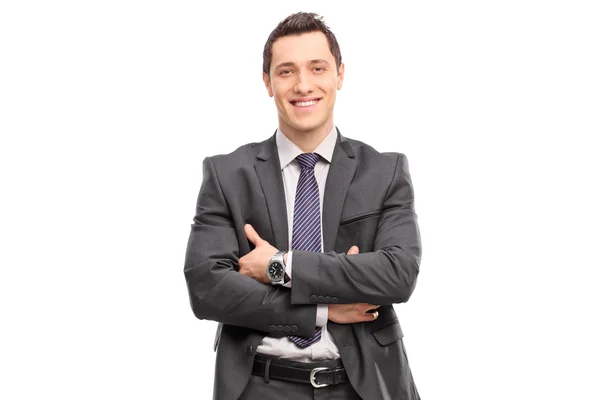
column 305, row 103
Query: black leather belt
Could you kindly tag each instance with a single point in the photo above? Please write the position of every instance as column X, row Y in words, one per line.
column 318, row 376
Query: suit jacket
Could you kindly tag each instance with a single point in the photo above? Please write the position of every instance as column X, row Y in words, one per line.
column 368, row 202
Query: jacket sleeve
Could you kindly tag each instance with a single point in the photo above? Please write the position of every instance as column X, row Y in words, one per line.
column 217, row 291
column 387, row 275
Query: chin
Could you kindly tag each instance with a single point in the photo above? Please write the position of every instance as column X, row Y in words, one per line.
column 306, row 129
column 307, row 126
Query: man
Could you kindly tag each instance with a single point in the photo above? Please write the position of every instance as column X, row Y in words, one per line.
column 302, row 243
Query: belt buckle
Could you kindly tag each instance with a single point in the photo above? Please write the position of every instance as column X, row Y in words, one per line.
column 312, row 377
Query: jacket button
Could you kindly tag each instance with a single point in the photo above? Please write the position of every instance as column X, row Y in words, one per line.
column 286, row 328
column 327, row 299
column 249, row 350
column 320, row 299
column 294, row 328
column 312, row 298
column 334, row 300
column 279, row 328
column 272, row 328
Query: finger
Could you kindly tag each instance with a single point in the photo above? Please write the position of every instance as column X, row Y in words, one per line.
column 252, row 235
column 353, row 250
column 369, row 316
column 367, row 307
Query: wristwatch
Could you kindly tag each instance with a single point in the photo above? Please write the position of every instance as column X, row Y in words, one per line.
column 276, row 269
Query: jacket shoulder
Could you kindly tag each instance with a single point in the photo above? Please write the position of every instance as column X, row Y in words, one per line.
column 245, row 152
column 367, row 153
column 232, row 163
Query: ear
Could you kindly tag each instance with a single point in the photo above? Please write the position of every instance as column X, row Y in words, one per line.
column 267, row 82
column 340, row 76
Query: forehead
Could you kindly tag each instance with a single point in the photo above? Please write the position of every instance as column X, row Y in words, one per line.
column 302, row 48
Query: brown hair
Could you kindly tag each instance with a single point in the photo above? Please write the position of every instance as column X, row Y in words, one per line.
column 296, row 24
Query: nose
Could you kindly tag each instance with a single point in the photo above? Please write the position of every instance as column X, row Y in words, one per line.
column 304, row 83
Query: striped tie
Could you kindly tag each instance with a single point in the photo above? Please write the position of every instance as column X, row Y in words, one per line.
column 306, row 234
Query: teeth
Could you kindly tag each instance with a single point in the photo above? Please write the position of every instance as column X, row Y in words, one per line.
column 305, row 103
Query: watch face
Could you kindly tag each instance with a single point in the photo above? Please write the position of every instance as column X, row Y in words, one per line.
column 275, row 271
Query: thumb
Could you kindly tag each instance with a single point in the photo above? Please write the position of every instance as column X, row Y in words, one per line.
column 353, row 250
column 252, row 235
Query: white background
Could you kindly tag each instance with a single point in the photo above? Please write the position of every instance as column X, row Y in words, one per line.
column 108, row 108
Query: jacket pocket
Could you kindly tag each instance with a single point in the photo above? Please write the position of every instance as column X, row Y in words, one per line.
column 359, row 230
column 388, row 334
column 360, row 217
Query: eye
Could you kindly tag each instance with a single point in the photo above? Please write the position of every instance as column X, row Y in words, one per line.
column 319, row 69
column 285, row 72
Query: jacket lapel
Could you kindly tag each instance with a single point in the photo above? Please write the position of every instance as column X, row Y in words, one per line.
column 268, row 170
column 341, row 172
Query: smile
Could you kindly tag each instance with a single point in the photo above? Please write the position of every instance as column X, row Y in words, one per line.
column 305, row 105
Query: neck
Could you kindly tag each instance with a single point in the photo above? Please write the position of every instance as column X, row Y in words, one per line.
column 307, row 141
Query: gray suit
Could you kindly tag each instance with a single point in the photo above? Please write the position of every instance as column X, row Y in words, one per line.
column 368, row 202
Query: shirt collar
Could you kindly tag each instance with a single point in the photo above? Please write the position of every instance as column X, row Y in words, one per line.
column 288, row 151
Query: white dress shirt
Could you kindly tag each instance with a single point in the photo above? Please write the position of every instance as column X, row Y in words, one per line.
column 324, row 349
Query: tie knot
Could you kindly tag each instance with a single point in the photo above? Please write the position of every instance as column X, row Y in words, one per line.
column 307, row 160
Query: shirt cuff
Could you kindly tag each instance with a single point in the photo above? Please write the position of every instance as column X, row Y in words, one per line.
column 322, row 314
column 288, row 270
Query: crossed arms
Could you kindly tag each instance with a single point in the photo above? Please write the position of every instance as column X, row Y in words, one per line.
column 221, row 284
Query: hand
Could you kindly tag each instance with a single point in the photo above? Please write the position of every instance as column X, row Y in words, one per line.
column 352, row 313
column 254, row 264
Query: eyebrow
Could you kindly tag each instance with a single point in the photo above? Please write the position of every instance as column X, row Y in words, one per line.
column 291, row 64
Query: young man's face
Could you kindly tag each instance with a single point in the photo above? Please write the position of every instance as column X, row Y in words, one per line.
column 303, row 82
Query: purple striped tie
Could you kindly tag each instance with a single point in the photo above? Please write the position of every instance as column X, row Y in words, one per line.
column 306, row 234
